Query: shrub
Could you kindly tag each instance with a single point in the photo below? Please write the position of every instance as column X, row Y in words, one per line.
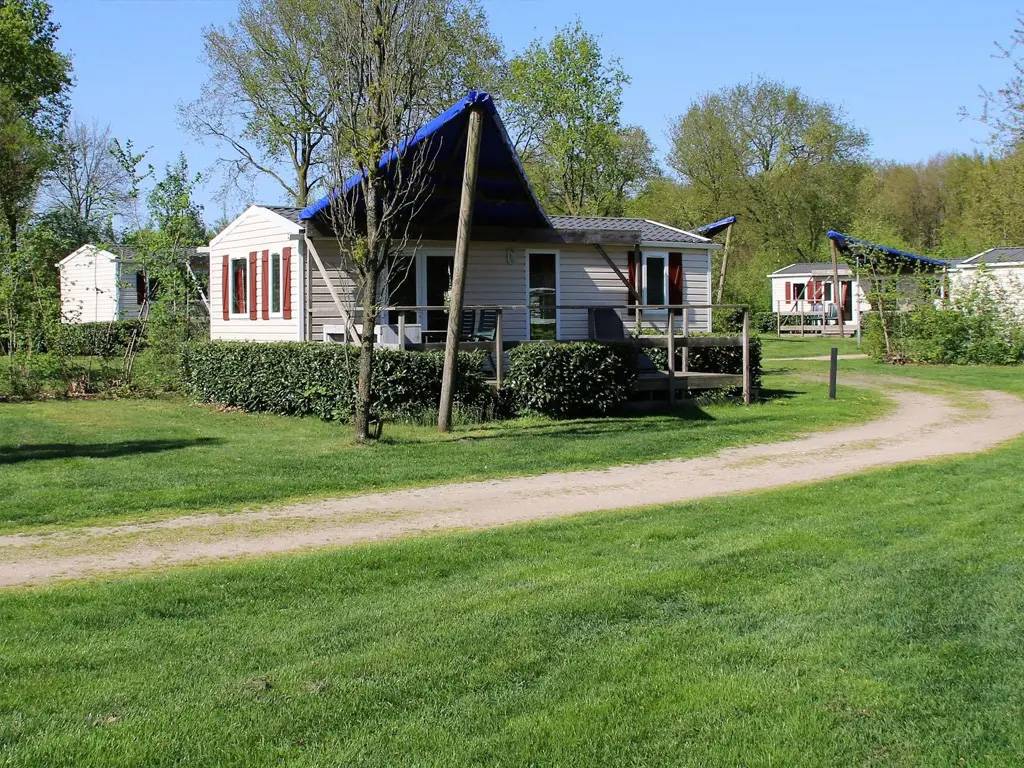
column 92, row 339
column 945, row 336
column 570, row 380
column 309, row 378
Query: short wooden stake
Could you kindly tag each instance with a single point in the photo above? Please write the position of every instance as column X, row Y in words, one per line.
column 686, row 340
column 746, row 356
column 833, row 373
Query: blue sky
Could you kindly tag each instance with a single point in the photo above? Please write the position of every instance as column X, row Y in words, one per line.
column 900, row 69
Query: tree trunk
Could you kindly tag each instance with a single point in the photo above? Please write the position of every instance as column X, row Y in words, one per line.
column 364, row 401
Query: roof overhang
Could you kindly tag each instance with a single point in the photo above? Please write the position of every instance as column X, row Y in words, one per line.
column 88, row 249
column 856, row 248
column 504, row 197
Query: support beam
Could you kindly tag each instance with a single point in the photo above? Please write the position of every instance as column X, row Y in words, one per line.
column 462, row 238
column 670, row 323
column 837, row 292
column 333, row 291
column 615, row 267
column 725, row 263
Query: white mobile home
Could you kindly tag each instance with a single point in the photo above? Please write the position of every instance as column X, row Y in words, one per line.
column 803, row 298
column 1003, row 267
column 276, row 273
column 100, row 286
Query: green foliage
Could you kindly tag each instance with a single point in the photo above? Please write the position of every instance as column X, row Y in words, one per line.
column 304, row 378
column 563, row 102
column 714, row 359
column 93, row 339
column 570, row 380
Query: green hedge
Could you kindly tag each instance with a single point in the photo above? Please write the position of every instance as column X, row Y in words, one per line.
column 946, row 336
column 92, row 339
column 309, row 378
column 570, row 380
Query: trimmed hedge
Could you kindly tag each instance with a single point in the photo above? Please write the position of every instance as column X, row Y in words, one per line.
column 946, row 336
column 92, row 339
column 570, row 380
column 714, row 359
column 310, row 378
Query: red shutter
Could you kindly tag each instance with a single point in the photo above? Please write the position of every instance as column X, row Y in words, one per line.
column 225, row 287
column 265, row 284
column 140, row 288
column 252, row 285
column 632, row 268
column 809, row 293
column 675, row 281
column 789, row 291
column 286, row 283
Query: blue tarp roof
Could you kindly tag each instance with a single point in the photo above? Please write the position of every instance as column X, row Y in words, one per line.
column 503, row 196
column 848, row 244
column 712, row 229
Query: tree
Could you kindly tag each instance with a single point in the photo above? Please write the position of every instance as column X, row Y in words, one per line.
column 563, row 102
column 379, row 59
column 1002, row 109
column 34, row 80
column 268, row 99
column 87, row 187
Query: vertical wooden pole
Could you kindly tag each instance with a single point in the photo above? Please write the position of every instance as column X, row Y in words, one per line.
column 499, row 350
column 746, row 355
column 778, row 320
column 401, row 331
column 591, row 323
column 671, row 329
column 725, row 263
column 833, row 373
column 837, row 293
column 462, row 237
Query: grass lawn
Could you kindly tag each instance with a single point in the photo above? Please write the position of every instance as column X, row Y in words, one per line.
column 84, row 461
column 806, row 346
column 874, row 621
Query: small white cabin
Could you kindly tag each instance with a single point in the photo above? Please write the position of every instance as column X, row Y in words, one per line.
column 101, row 286
column 803, row 300
column 1003, row 267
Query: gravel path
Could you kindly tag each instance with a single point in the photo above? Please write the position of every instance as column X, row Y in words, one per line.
column 923, row 426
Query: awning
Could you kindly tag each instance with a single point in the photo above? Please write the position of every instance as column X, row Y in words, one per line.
column 712, row 229
column 856, row 247
column 504, row 197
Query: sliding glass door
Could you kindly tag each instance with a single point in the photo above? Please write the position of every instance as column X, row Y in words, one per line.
column 542, row 295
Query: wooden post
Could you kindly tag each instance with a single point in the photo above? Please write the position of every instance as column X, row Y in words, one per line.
column 725, row 262
column 591, row 323
column 746, row 355
column 670, row 326
column 401, row 331
column 686, row 337
column 837, row 293
column 833, row 373
column 462, row 237
column 499, row 350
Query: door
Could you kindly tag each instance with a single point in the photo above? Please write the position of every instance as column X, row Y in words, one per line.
column 542, row 295
column 438, row 283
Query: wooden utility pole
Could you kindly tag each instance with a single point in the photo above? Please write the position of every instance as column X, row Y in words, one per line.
column 462, row 237
column 725, row 263
column 837, row 289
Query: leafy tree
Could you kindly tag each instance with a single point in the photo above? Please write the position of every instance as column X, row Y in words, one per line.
column 1002, row 109
column 563, row 102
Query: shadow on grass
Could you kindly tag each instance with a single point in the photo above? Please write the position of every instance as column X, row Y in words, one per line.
column 46, row 451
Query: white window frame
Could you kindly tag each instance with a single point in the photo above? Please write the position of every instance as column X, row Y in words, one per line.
column 231, row 287
column 278, row 288
column 663, row 255
column 558, row 287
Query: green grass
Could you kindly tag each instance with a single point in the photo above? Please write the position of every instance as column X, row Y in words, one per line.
column 873, row 621
column 806, row 346
column 70, row 462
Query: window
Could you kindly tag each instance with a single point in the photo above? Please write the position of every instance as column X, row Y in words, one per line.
column 542, row 295
column 239, row 285
column 275, row 284
column 655, row 279
column 799, row 291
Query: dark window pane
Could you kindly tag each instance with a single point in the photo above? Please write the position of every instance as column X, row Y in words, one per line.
column 239, row 282
column 275, row 282
column 543, row 299
column 655, row 280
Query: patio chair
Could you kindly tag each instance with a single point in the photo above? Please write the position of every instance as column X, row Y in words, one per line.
column 488, row 325
column 467, row 324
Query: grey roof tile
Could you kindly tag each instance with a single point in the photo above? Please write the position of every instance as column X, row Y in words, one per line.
column 1005, row 255
column 650, row 231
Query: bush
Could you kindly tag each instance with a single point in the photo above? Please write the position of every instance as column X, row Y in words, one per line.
column 92, row 339
column 945, row 336
column 310, row 378
column 766, row 322
column 570, row 380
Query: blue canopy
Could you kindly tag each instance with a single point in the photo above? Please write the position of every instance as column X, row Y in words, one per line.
column 712, row 229
column 504, row 197
column 852, row 245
